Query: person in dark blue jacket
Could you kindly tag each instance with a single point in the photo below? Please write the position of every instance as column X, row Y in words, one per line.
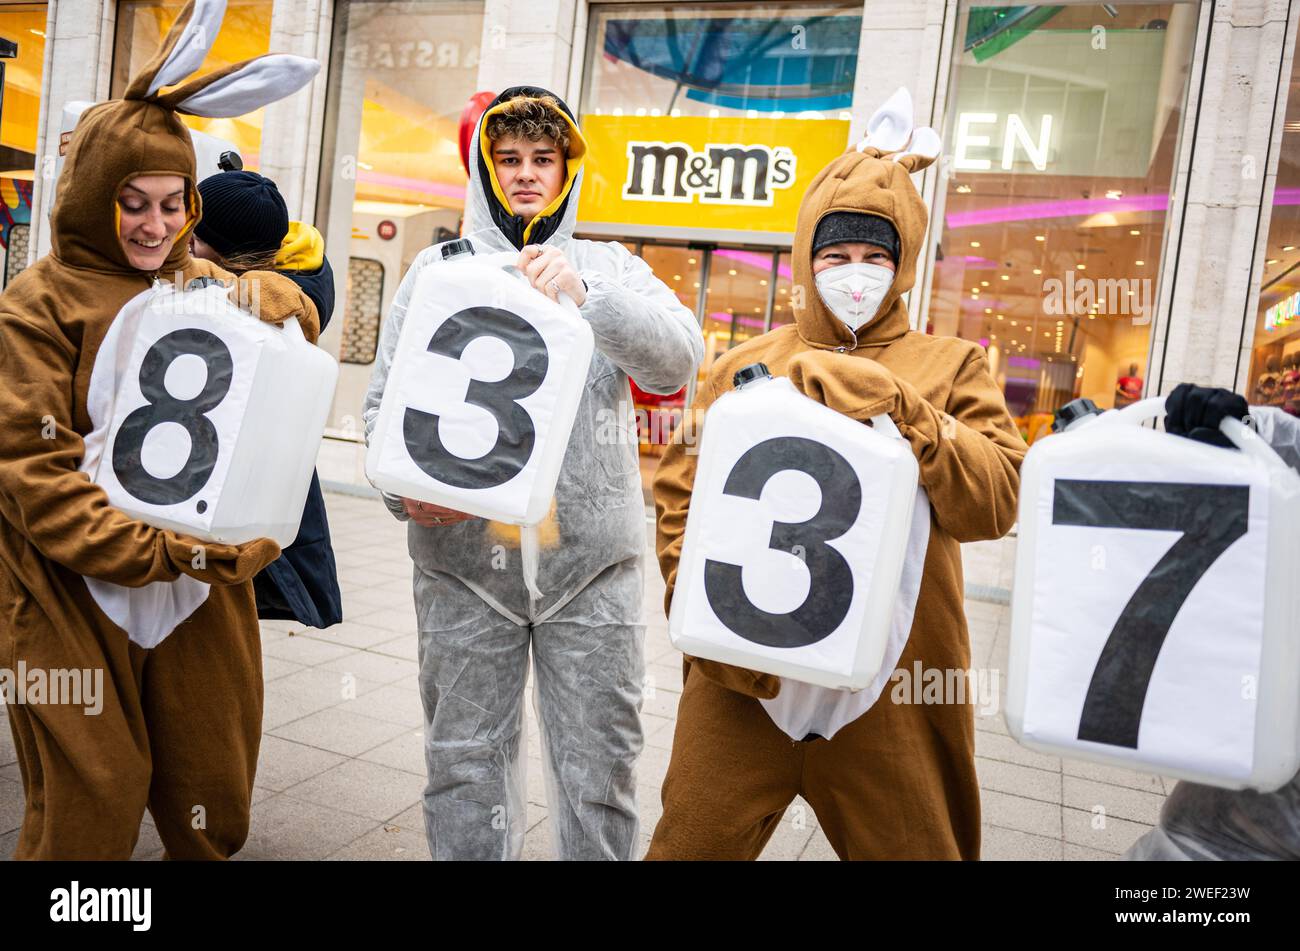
column 246, row 226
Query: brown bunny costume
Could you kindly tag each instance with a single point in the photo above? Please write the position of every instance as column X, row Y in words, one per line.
column 180, row 724
column 899, row 781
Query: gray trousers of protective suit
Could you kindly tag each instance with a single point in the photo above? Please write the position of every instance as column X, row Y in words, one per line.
column 588, row 668
column 1205, row 823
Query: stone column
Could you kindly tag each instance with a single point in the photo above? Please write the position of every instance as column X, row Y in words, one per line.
column 292, row 129
column 528, row 42
column 78, row 58
column 902, row 44
column 907, row 44
column 1213, row 290
column 1286, row 67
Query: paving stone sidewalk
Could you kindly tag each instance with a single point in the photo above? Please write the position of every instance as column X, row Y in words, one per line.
column 342, row 767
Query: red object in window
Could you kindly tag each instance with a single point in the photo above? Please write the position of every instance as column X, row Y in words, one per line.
column 469, row 117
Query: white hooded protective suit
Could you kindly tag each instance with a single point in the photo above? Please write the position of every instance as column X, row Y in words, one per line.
column 476, row 618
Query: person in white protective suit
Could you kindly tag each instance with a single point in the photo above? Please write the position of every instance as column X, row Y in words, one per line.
column 476, row 618
column 1206, row 822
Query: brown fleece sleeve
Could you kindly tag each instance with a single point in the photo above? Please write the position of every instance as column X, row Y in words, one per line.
column 673, row 482
column 57, row 508
column 275, row 298
column 266, row 295
column 852, row 386
column 969, row 455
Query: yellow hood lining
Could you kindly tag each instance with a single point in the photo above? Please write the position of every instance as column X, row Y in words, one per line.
column 574, row 160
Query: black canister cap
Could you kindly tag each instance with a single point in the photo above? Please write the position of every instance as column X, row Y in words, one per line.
column 1073, row 410
column 755, row 371
column 456, row 248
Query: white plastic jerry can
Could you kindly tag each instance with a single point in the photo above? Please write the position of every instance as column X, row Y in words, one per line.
column 796, row 537
column 207, row 420
column 1156, row 615
column 482, row 394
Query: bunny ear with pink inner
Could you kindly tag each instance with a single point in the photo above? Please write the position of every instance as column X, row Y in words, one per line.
column 890, row 126
column 890, row 132
column 921, row 151
column 183, row 49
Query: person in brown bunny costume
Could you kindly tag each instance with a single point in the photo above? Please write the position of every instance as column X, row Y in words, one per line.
column 897, row 782
column 180, row 723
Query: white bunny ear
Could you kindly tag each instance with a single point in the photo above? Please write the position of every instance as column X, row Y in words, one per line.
column 889, row 129
column 925, row 143
column 193, row 45
column 245, row 87
column 182, row 50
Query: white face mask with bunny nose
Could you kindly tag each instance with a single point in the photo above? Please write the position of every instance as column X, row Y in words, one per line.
column 854, row 292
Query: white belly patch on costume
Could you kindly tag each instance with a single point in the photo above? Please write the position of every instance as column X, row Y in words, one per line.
column 801, row 709
column 150, row 613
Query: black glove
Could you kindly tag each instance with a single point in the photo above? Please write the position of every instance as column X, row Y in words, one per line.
column 1196, row 411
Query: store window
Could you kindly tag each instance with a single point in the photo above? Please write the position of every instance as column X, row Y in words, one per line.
column 1274, row 375
column 22, row 29
column 365, row 295
column 658, row 415
column 391, row 182
column 663, row 86
column 245, row 33
column 736, row 292
column 736, row 299
column 1062, row 130
column 781, row 312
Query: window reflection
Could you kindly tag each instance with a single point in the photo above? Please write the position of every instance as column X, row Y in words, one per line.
column 392, row 180
column 736, row 299
column 658, row 415
column 723, row 59
column 781, row 311
column 25, row 24
column 1058, row 196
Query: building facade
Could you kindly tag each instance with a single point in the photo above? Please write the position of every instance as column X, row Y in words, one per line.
column 1115, row 211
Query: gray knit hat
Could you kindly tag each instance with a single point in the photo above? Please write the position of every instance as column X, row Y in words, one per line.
column 840, row 226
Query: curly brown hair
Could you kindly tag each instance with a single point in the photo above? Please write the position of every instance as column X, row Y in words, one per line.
column 532, row 118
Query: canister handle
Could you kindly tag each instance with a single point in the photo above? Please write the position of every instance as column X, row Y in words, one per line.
column 884, row 424
column 505, row 260
column 293, row 328
column 1240, row 435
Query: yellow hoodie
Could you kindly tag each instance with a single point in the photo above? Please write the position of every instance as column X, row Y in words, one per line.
column 303, row 249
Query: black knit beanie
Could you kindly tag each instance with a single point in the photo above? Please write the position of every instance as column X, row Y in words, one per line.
column 840, row 226
column 243, row 213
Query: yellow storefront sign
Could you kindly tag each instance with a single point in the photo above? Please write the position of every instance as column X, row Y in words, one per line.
column 699, row 174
